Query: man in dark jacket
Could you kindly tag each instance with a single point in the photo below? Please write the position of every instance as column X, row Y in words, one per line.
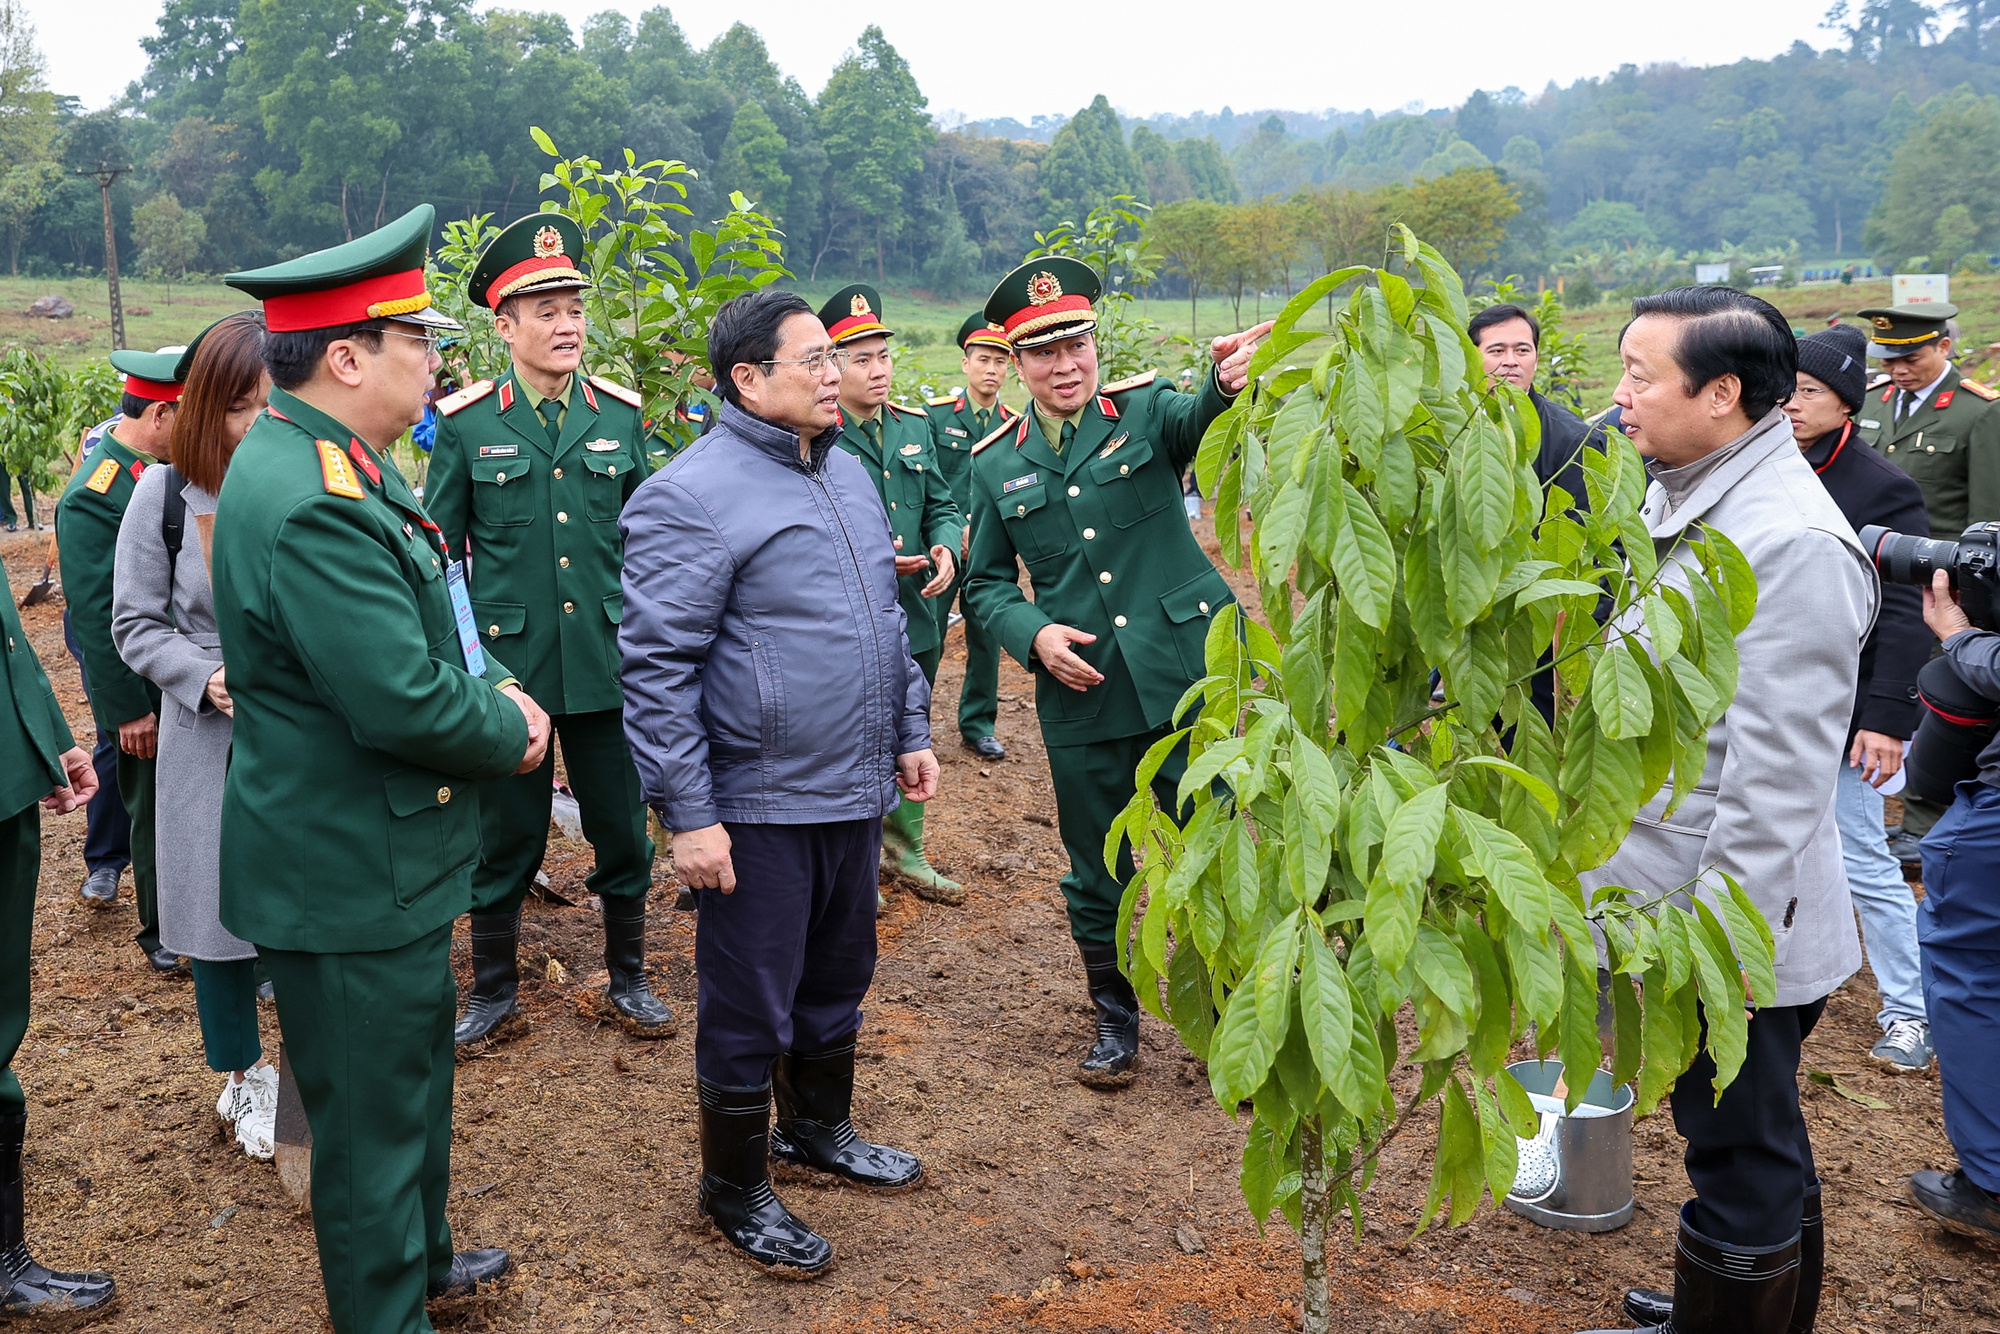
column 775, row 714
column 1509, row 341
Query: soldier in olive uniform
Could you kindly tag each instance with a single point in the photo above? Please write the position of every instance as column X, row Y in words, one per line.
column 367, row 714
column 527, row 477
column 1943, row 430
column 39, row 762
column 894, row 443
column 87, row 518
column 959, row 421
column 1085, row 489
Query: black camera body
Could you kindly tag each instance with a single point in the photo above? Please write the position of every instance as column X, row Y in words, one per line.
column 1972, row 563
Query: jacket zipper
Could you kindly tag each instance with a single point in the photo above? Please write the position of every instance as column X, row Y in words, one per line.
column 860, row 579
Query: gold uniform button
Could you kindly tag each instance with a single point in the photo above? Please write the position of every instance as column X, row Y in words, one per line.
column 1202, row 605
column 569, row 606
column 562, row 516
column 494, row 630
column 892, row 504
column 885, row 472
column 1118, row 621
column 1020, row 509
column 1076, row 490
column 564, row 562
column 1104, row 578
column 1892, row 449
column 1124, row 467
column 1930, row 449
column 1089, row 533
column 499, row 476
column 611, row 470
column 558, row 474
column 444, row 795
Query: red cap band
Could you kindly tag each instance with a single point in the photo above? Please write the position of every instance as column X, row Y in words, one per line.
column 1030, row 318
column 155, row 391
column 502, row 287
column 351, row 304
column 854, row 326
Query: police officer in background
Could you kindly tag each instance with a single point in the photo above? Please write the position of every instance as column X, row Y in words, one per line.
column 959, row 421
column 527, row 478
column 894, row 444
column 1942, row 430
column 1086, row 490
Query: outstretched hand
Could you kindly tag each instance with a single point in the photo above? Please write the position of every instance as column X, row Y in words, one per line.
column 1231, row 354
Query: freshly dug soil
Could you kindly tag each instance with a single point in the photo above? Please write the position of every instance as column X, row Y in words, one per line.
column 1046, row 1206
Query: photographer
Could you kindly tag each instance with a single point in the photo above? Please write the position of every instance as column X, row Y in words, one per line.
column 1958, row 925
column 1871, row 490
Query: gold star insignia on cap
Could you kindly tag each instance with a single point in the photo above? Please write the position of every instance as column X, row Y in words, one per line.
column 1884, row 322
column 858, row 305
column 548, row 243
column 1044, row 288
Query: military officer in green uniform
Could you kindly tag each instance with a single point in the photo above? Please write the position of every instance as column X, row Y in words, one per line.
column 527, row 477
column 1943, row 430
column 1085, row 490
column 39, row 763
column 959, row 421
column 87, row 518
column 367, row 716
column 894, row 444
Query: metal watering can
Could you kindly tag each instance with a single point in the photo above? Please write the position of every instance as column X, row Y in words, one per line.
column 1576, row 1174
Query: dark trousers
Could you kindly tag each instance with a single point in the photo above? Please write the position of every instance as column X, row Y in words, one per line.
column 1958, row 931
column 1748, row 1157
column 514, row 816
column 979, row 693
column 1093, row 782
column 107, row 835
column 783, row 961
column 369, row 1038
column 225, row 999
column 20, row 862
column 136, row 780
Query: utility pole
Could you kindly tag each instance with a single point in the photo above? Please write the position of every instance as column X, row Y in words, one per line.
column 104, row 176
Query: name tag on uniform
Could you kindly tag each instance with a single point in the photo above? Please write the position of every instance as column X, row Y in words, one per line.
column 1873, row 426
column 461, row 612
column 499, row 451
column 1020, row 482
column 953, row 430
column 603, row 446
column 912, row 449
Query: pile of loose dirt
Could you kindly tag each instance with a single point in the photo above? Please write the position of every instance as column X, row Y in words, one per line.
column 1047, row 1206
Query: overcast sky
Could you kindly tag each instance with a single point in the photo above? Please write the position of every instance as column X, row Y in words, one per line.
column 982, row 60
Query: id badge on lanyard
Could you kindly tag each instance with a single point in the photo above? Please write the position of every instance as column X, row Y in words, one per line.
column 461, row 612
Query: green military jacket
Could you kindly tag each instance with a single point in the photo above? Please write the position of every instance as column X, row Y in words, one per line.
column 1104, row 533
column 955, row 428
column 33, row 732
column 541, row 524
column 348, row 821
column 914, row 491
column 1950, row 445
column 87, row 518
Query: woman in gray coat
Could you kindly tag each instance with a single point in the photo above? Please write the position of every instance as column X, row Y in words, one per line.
column 163, row 622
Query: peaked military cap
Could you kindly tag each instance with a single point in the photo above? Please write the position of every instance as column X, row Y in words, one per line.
column 373, row 277
column 184, row 365
column 542, row 252
column 853, row 312
column 153, row 376
column 1897, row 331
column 1045, row 299
column 978, row 329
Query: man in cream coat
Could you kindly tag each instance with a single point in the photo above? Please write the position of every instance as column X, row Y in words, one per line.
column 1705, row 370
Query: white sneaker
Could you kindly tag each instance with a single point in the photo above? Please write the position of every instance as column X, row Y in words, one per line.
column 234, row 1103
column 256, row 1129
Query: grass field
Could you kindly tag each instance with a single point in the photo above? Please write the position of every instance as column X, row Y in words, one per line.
column 158, row 315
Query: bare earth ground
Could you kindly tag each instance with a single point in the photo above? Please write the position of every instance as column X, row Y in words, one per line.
column 1047, row 1207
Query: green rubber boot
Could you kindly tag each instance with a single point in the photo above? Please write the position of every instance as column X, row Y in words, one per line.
column 903, row 856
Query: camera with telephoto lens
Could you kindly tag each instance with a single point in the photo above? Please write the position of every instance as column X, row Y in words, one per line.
column 1958, row 721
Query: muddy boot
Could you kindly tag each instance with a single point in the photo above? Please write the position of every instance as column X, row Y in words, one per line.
column 735, row 1191
column 903, row 856
column 628, row 999
column 815, row 1096
column 26, row 1288
column 1654, row 1309
column 1724, row 1289
column 1114, row 1056
column 492, row 1012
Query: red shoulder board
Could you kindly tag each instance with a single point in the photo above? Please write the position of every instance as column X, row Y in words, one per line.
column 1107, row 407
column 1944, row 399
column 138, row 469
column 1986, row 392
column 1888, row 393
column 363, row 462
column 589, row 397
column 506, row 395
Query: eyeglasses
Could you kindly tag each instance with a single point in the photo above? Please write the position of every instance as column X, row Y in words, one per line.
column 431, row 340
column 814, row 364
column 1811, row 392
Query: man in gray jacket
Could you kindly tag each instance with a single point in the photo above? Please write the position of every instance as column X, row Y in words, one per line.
column 1705, row 370
column 775, row 714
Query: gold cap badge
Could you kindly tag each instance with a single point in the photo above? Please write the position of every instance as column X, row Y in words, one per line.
column 858, row 305
column 1043, row 288
column 1884, row 322
column 548, row 243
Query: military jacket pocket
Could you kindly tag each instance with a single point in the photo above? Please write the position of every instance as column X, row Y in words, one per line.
column 499, row 619
column 1188, row 609
column 1129, row 493
column 433, row 830
column 604, row 485
column 614, row 608
column 501, row 495
column 1038, row 532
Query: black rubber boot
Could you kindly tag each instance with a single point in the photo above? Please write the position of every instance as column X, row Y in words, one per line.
column 1654, row 1309
column 26, row 1288
column 468, row 1270
column 628, row 999
column 735, row 1189
column 815, row 1097
column 492, row 1012
column 1114, row 1056
column 1723, row 1289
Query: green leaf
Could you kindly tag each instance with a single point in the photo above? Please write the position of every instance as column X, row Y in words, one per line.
column 1191, row 1000
column 1263, row 1169
column 1663, row 627
column 1605, row 774
column 1424, row 591
column 1825, row 1079
column 1626, row 1041
column 1537, row 970
column 1205, row 767
column 1156, row 756
column 542, row 140
column 1739, row 583
column 1660, row 1040
column 1721, row 996
column 1275, row 962
column 1496, row 1138
column 1516, row 1106
column 1486, row 1051
column 1237, row 866
column 1444, row 970
column 1363, row 559
column 1504, row 862
column 1396, row 481
column 1484, row 478
column 1240, row 1056
column 1470, row 573
column 1390, row 916
column 1281, row 527
column 1535, row 787
column 1750, row 935
column 1620, row 694
column 1695, row 689
column 1326, row 1008
column 1581, row 1049
column 1409, row 844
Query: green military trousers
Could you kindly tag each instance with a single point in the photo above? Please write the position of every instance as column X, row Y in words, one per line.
column 514, row 816
column 369, row 1038
column 136, row 781
column 979, row 693
column 1093, row 782
column 20, row 863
